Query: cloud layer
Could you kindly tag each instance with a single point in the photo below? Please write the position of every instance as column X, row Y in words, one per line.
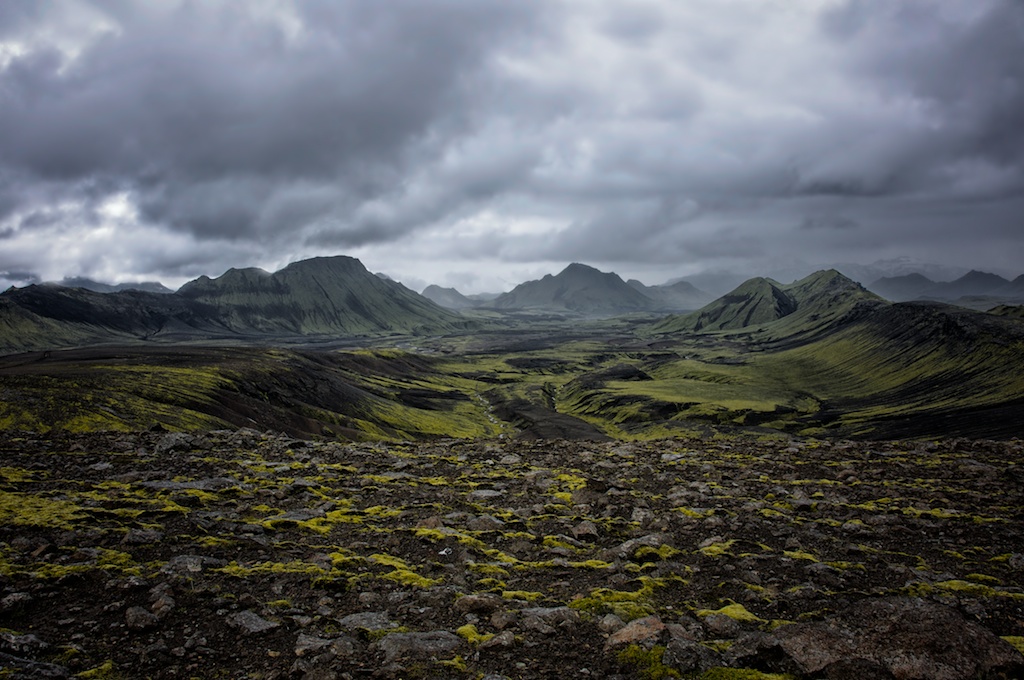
column 479, row 143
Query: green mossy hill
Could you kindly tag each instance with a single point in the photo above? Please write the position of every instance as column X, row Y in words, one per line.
column 366, row 395
column 800, row 309
column 579, row 289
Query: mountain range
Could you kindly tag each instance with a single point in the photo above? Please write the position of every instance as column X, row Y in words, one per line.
column 987, row 289
column 581, row 290
column 329, row 297
column 333, row 298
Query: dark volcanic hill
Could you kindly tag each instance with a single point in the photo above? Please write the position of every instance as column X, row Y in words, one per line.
column 322, row 297
column 579, row 289
column 449, row 298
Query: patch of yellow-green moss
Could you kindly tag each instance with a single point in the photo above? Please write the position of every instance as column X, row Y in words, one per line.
column 26, row 509
column 1016, row 641
column 734, row 611
column 402, row 573
column 741, row 674
column 799, row 555
column 627, row 605
column 105, row 671
column 662, row 552
column 717, row 549
column 647, row 662
column 295, row 567
column 528, row 595
column 471, row 635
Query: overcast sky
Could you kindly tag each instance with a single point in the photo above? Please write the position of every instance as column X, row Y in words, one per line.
column 480, row 143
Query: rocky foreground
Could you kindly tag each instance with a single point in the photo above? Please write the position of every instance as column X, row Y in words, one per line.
column 248, row 555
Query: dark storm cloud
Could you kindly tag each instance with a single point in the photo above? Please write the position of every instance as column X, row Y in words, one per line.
column 828, row 222
column 162, row 133
column 214, row 115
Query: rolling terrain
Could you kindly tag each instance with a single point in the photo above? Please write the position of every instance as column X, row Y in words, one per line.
column 818, row 357
column 794, row 482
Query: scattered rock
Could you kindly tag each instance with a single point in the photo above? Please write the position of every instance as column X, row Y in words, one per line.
column 639, row 631
column 249, row 622
column 137, row 618
column 438, row 644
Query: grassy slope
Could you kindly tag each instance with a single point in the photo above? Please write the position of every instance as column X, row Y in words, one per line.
column 907, row 370
column 361, row 395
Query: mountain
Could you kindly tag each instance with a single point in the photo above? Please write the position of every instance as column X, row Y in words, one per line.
column 901, row 288
column 1014, row 289
column 97, row 287
column 320, row 296
column 673, row 297
column 971, row 284
column 795, row 310
column 977, row 290
column 897, row 267
column 449, row 298
column 332, row 297
column 579, row 289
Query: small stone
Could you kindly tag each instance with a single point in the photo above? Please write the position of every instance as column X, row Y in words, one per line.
column 440, row 644
column 504, row 640
column 249, row 622
column 485, row 523
column 20, row 645
column 610, row 623
column 688, row 656
column 163, row 606
column 722, row 626
column 367, row 621
column 142, row 537
column 637, row 632
column 305, row 644
column 15, row 601
column 585, row 530
column 503, row 619
column 478, row 604
column 137, row 618
column 484, row 494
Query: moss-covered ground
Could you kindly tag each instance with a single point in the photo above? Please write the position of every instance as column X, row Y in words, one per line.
column 561, row 542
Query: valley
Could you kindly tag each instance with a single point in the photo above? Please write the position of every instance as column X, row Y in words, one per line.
column 245, row 481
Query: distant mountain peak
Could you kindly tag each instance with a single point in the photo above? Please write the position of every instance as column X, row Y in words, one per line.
column 578, row 288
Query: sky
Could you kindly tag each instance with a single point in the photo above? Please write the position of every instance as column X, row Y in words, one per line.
column 481, row 143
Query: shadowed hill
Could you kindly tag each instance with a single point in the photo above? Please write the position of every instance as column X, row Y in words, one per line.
column 681, row 296
column 449, row 298
column 579, row 289
column 324, row 297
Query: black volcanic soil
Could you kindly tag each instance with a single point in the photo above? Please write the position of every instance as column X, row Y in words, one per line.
column 247, row 555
